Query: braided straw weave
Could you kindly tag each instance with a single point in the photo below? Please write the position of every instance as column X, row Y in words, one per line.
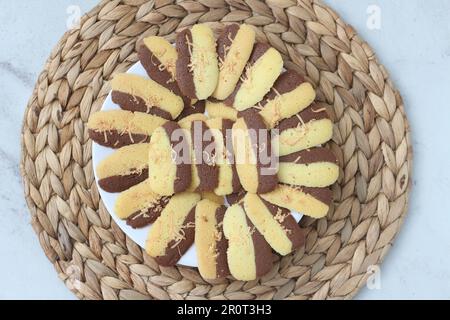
column 371, row 138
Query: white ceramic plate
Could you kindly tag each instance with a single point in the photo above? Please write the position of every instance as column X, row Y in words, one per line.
column 137, row 235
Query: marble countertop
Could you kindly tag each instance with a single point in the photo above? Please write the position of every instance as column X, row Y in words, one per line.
column 411, row 37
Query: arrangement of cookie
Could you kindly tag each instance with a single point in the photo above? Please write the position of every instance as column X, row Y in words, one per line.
column 204, row 92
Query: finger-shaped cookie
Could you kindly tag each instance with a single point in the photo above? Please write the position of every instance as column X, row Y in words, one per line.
column 169, row 160
column 228, row 177
column 263, row 68
column 159, row 58
column 234, row 47
column 124, row 168
column 276, row 224
column 205, row 172
column 309, row 128
column 135, row 93
column 313, row 202
column 139, row 205
column 316, row 167
column 289, row 95
column 197, row 65
column 173, row 232
column 249, row 255
column 218, row 109
column 254, row 157
column 210, row 241
column 119, row 128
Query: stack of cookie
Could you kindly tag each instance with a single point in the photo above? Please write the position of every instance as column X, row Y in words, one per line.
column 226, row 179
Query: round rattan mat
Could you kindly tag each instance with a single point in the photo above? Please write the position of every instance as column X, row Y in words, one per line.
column 371, row 138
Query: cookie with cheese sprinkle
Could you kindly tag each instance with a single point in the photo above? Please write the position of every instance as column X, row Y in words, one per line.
column 228, row 180
column 173, row 233
column 249, row 255
column 124, row 168
column 119, row 128
column 305, row 130
column 197, row 69
column 316, row 167
column 263, row 68
column 254, row 158
column 313, row 202
column 205, row 172
column 139, row 205
column 135, row 93
column 159, row 59
column 276, row 224
column 169, row 160
column 289, row 95
column 234, row 47
column 210, row 241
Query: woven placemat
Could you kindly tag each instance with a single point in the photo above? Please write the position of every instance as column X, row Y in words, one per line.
column 371, row 138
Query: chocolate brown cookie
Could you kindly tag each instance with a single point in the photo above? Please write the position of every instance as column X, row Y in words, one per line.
column 124, row 168
column 119, row 128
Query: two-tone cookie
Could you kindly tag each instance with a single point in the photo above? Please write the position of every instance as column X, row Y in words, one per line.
column 249, row 255
column 218, row 109
column 159, row 58
column 119, row 128
column 263, row 68
column 203, row 149
column 255, row 160
column 169, row 160
column 135, row 93
column 228, row 180
column 139, row 205
column 173, row 232
column 289, row 95
column 276, row 224
column 124, row 168
column 313, row 202
column 316, row 167
column 197, row 69
column 234, row 47
column 210, row 241
column 309, row 128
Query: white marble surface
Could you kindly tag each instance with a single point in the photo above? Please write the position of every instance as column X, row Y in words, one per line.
column 413, row 43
